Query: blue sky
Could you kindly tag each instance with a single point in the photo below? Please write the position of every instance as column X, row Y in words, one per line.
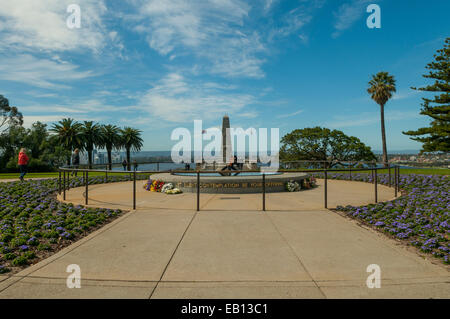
column 158, row 65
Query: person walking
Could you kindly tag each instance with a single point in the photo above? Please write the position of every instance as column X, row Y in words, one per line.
column 75, row 161
column 135, row 165
column 23, row 163
column 124, row 164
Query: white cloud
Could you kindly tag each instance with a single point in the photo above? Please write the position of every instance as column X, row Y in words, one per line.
column 174, row 99
column 28, row 120
column 212, row 30
column 292, row 22
column 268, row 4
column 88, row 106
column 370, row 118
column 43, row 73
column 405, row 94
column 31, row 25
column 289, row 114
column 348, row 14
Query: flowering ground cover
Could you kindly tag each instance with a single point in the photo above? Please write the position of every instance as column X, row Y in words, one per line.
column 34, row 224
column 420, row 217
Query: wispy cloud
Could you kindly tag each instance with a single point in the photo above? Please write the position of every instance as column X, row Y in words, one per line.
column 40, row 72
column 281, row 116
column 49, row 119
column 79, row 106
column 347, row 14
column 369, row 118
column 211, row 30
column 29, row 25
column 180, row 100
column 219, row 33
column 405, row 94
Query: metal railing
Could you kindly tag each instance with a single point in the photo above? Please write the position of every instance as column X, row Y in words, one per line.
column 63, row 180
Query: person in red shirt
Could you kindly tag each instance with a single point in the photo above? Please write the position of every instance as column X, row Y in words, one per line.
column 23, row 163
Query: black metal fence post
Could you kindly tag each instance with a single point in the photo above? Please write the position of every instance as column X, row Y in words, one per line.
column 64, row 185
column 350, row 171
column 59, row 182
column 264, row 191
column 325, row 189
column 376, row 186
column 389, row 170
column 87, row 188
column 398, row 179
column 395, row 180
column 106, row 172
column 134, row 190
column 198, row 190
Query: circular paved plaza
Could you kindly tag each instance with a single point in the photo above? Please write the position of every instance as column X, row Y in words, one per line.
column 120, row 195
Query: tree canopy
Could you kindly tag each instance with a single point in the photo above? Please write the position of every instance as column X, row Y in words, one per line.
column 436, row 137
column 10, row 114
column 323, row 144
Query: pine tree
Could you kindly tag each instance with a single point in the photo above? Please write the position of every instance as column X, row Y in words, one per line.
column 436, row 137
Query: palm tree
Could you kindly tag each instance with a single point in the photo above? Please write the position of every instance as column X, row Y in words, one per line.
column 111, row 140
column 131, row 140
column 68, row 135
column 91, row 137
column 381, row 88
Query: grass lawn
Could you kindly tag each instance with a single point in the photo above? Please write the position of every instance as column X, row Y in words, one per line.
column 427, row 171
column 55, row 174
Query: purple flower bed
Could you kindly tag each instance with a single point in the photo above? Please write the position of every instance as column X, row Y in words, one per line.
column 33, row 223
column 421, row 216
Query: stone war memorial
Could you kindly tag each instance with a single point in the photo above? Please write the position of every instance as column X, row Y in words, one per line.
column 245, row 178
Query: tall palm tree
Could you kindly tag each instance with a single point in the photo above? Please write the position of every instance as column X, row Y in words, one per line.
column 132, row 141
column 91, row 137
column 111, row 140
column 381, row 88
column 68, row 135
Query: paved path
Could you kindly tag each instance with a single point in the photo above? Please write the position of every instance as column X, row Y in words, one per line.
column 229, row 254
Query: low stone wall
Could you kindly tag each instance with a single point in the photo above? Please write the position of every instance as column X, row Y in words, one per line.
column 231, row 184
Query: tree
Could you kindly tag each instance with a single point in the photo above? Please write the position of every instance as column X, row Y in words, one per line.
column 91, row 137
column 323, row 144
column 132, row 141
column 10, row 114
column 381, row 88
column 10, row 143
column 436, row 137
column 36, row 139
column 68, row 134
column 111, row 140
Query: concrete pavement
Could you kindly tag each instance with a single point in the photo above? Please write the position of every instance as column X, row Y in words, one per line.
column 163, row 253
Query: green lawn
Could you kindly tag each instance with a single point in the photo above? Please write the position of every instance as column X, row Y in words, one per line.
column 427, row 171
column 53, row 174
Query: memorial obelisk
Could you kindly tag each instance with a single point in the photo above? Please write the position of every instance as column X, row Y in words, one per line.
column 226, row 140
